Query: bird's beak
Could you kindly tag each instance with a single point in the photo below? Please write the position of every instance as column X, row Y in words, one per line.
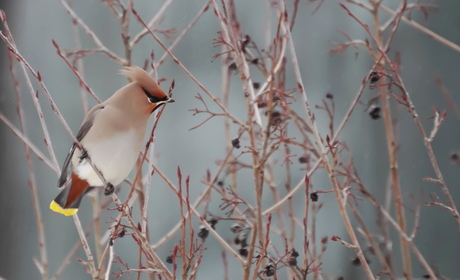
column 169, row 100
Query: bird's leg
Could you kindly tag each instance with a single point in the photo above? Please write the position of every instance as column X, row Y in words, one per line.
column 109, row 189
column 83, row 155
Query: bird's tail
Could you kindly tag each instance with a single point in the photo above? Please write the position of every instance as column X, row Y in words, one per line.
column 68, row 200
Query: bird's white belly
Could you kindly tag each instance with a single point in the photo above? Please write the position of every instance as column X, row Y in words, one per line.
column 114, row 157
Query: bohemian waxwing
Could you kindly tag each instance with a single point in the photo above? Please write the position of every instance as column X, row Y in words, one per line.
column 111, row 135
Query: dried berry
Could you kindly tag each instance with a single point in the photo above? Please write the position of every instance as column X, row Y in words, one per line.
column 236, row 228
column 269, row 270
column 262, row 104
column 292, row 261
column 243, row 252
column 329, row 95
column 169, row 259
column 122, row 233
column 357, row 262
column 232, row 66
column 303, row 159
column 374, row 112
column 256, row 85
column 294, row 253
column 314, row 196
column 244, row 241
column 236, row 143
column 276, row 118
column 213, row 221
column 255, row 61
column 244, row 42
column 204, row 232
column 455, row 158
column 241, row 241
column 374, row 77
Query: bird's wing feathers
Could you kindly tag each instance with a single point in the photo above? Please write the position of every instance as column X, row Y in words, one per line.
column 85, row 127
column 65, row 168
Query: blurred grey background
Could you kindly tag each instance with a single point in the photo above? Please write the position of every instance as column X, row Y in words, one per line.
column 35, row 23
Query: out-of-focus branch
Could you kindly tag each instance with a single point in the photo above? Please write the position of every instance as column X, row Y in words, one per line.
column 29, row 144
column 150, row 24
column 183, row 33
column 389, row 132
column 192, row 77
column 42, row 265
column 91, row 34
column 423, row 29
column 319, row 142
column 85, row 245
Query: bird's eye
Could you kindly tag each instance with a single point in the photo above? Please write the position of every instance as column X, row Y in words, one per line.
column 150, row 98
column 153, row 99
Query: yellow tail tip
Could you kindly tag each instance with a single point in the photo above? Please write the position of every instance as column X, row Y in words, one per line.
column 57, row 208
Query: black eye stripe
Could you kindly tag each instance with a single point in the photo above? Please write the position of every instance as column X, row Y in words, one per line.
column 153, row 99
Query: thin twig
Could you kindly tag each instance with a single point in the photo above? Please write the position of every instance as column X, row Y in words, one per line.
column 389, row 132
column 34, row 95
column 183, row 33
column 43, row 264
column 109, row 263
column 85, row 245
column 325, row 160
column 29, row 144
column 423, row 29
column 91, row 34
column 80, row 67
column 146, row 30
column 188, row 72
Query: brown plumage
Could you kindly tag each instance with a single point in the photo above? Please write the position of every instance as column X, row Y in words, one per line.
column 111, row 135
column 78, row 187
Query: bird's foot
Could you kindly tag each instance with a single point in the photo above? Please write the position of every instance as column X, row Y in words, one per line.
column 83, row 155
column 109, row 189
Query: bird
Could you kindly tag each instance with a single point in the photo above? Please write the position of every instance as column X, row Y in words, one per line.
column 110, row 139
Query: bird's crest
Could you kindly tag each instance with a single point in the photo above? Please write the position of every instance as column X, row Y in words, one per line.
column 140, row 76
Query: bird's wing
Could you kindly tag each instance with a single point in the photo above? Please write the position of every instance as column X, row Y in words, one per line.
column 85, row 127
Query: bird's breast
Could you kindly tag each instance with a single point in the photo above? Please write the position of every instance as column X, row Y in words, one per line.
column 114, row 156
